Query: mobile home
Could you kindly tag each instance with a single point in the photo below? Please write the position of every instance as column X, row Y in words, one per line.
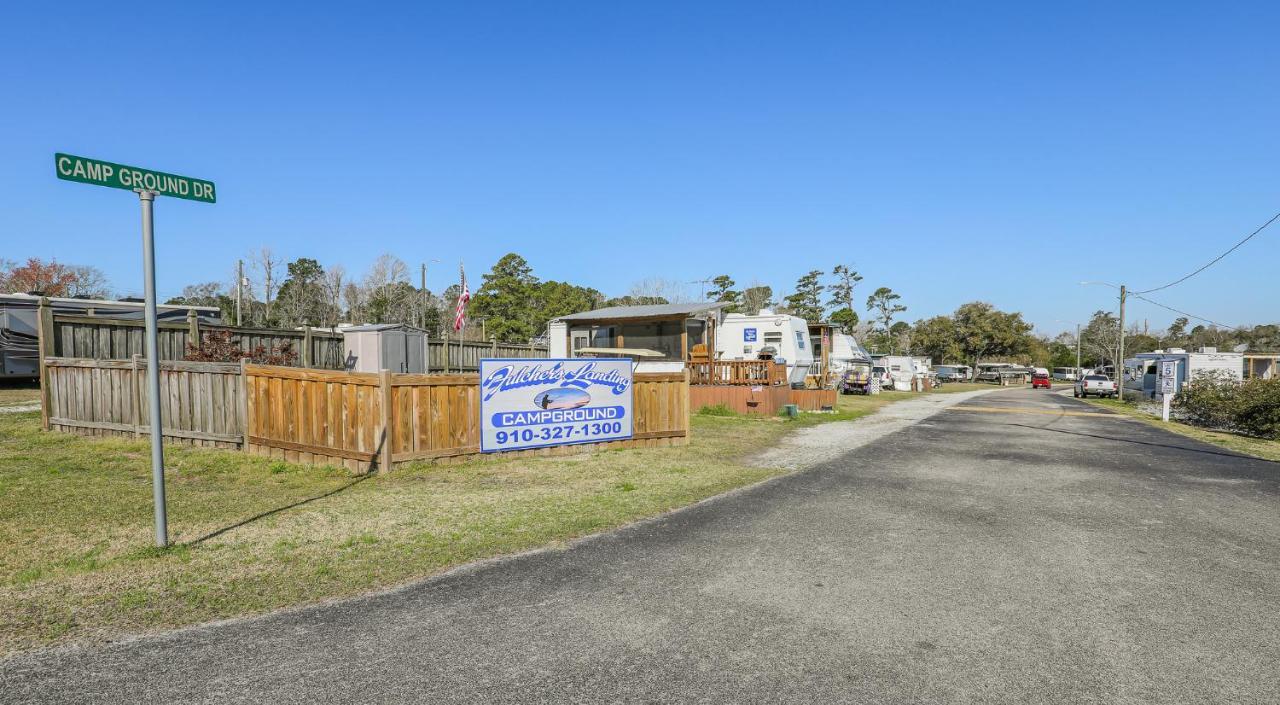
column 1142, row 372
column 662, row 337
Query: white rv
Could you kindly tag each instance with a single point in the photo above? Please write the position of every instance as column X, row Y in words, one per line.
column 901, row 370
column 845, row 352
column 741, row 337
column 1142, row 372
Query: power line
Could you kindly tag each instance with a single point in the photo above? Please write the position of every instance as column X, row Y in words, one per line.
column 1184, row 313
column 1212, row 262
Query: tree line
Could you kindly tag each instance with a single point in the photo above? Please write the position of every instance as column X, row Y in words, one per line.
column 510, row 303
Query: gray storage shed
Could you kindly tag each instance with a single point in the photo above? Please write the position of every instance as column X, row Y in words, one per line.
column 385, row 346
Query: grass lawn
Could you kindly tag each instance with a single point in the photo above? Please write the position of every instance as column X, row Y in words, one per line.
column 253, row 534
column 18, row 392
column 1257, row 447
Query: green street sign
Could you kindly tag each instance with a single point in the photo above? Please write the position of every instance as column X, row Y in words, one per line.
column 131, row 178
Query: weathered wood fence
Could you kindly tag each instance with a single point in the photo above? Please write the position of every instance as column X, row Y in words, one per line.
column 200, row 402
column 104, row 338
column 361, row 420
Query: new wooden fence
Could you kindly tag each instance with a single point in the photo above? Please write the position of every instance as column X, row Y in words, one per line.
column 360, row 420
column 104, row 338
column 375, row 420
column 200, row 402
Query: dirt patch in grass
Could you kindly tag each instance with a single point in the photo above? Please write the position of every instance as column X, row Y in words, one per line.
column 19, row 392
column 1256, row 447
column 253, row 534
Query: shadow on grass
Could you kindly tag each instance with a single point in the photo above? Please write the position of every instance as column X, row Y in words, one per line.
column 272, row 512
column 1238, row 456
column 373, row 470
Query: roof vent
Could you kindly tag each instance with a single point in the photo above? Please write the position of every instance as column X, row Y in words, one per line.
column 1208, row 350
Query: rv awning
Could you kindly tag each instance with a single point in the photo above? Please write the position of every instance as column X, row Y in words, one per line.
column 621, row 352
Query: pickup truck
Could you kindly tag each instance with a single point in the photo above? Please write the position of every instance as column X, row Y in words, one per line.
column 1097, row 385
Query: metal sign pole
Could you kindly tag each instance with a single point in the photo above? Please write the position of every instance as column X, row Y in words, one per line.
column 147, row 198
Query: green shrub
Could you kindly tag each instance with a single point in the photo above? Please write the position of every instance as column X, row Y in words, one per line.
column 1251, row 407
column 1259, row 408
column 717, row 410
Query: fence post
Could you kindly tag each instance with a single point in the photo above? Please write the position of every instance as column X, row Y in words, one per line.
column 44, row 345
column 384, row 383
column 446, row 351
column 306, row 347
column 193, row 332
column 493, row 346
column 244, row 404
column 138, row 397
column 688, row 420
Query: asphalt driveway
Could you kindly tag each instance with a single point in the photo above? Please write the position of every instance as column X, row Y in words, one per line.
column 1019, row 547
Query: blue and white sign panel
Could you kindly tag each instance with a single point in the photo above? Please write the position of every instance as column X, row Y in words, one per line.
column 749, row 335
column 550, row 402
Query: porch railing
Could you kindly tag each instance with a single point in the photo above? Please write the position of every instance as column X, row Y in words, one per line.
column 738, row 372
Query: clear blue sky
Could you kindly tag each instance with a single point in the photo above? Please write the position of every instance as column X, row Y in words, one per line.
column 608, row 143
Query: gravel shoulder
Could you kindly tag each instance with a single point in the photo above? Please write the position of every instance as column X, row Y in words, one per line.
column 825, row 442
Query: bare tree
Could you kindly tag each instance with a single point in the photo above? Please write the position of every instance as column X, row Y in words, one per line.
column 266, row 268
column 335, row 278
column 388, row 295
column 659, row 288
column 89, row 282
column 353, row 295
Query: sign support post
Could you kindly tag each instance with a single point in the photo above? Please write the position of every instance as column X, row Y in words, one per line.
column 148, row 184
column 147, row 199
column 1168, row 385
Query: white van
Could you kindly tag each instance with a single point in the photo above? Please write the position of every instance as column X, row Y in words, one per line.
column 740, row 337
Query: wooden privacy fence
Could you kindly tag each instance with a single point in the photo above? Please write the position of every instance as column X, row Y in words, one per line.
column 367, row 420
column 200, row 402
column 102, row 338
column 105, row 338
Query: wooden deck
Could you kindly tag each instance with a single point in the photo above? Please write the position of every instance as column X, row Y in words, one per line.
column 744, row 373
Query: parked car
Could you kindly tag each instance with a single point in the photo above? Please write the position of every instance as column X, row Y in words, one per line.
column 882, row 374
column 1097, row 385
column 1041, row 379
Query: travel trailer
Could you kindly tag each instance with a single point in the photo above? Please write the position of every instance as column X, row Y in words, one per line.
column 742, row 337
column 849, row 364
column 19, row 313
column 901, row 370
column 1142, row 372
column 845, row 352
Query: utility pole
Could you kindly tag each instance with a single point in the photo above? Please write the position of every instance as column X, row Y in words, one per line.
column 1120, row 357
column 1077, row 350
column 239, row 287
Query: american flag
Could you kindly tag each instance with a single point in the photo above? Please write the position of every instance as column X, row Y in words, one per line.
column 464, row 295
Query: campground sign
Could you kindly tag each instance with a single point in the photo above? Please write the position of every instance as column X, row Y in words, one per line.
column 131, row 178
column 539, row 402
